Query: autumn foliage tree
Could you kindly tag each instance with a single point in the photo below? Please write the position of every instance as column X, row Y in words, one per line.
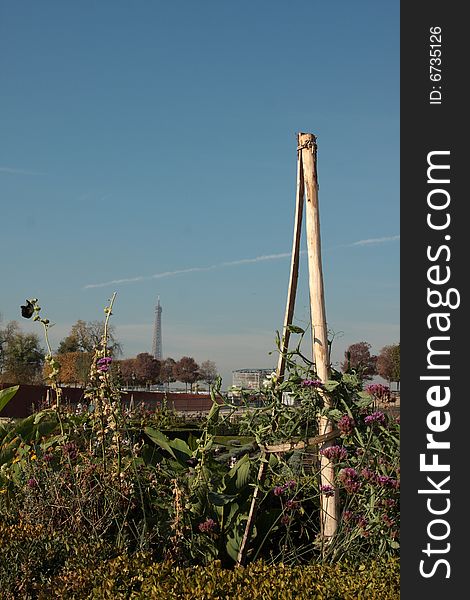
column 186, row 370
column 147, row 369
column 167, row 371
column 358, row 358
column 388, row 363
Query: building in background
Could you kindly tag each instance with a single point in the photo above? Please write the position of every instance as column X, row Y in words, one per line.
column 250, row 379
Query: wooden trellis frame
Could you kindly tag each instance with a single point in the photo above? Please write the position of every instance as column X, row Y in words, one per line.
column 307, row 185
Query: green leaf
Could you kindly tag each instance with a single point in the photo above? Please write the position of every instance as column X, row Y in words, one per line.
column 160, row 439
column 181, row 446
column 219, row 499
column 330, row 385
column 243, row 472
column 181, row 451
column 213, row 413
column 56, row 439
column 6, row 395
column 364, row 400
column 336, row 414
column 295, row 329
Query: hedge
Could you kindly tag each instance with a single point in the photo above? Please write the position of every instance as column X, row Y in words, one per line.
column 35, row 564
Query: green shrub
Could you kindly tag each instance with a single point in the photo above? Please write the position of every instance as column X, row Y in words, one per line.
column 138, row 578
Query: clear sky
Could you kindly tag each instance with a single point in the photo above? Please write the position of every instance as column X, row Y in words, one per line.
column 153, row 145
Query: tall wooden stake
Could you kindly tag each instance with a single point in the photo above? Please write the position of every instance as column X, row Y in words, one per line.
column 294, row 269
column 308, row 151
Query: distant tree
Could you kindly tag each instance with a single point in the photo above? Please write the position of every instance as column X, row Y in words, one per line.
column 208, row 372
column 167, row 371
column 74, row 367
column 21, row 356
column 6, row 333
column 187, row 371
column 147, row 369
column 86, row 336
column 358, row 358
column 128, row 373
column 388, row 363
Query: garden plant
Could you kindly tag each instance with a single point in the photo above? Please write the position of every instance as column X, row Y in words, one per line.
column 104, row 502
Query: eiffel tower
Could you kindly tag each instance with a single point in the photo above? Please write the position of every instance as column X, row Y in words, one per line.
column 157, row 332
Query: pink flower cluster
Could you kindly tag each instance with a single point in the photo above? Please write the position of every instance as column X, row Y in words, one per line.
column 350, row 480
column 375, row 418
column 346, row 424
column 327, row 490
column 312, row 383
column 334, row 453
column 280, row 489
column 382, row 480
column 350, row 517
column 207, row 526
column 104, row 363
column 379, row 391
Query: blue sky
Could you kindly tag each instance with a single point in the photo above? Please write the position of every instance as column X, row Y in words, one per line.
column 154, row 144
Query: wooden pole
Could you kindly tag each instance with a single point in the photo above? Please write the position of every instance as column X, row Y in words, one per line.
column 242, row 551
column 307, row 147
column 294, row 269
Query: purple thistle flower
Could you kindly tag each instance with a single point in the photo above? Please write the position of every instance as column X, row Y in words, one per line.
column 292, row 505
column 388, row 521
column 362, row 521
column 376, row 417
column 32, row 483
column 386, row 481
column 71, row 450
column 379, row 391
column 327, row 490
column 316, row 383
column 348, row 516
column 369, row 475
column 207, row 526
column 291, row 485
column 350, row 480
column 346, row 424
column 103, row 363
column 334, row 452
column 278, row 490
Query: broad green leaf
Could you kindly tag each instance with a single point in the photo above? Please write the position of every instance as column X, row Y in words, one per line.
column 56, row 439
column 364, row 400
column 213, row 413
column 180, row 446
column 330, row 385
column 243, row 472
column 6, row 395
column 334, row 413
column 160, row 439
column 219, row 499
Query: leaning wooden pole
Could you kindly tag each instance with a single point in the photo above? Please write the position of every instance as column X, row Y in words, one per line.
column 307, row 147
column 294, row 269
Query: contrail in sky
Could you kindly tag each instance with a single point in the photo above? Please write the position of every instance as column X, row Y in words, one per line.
column 233, row 263
column 18, row 171
column 381, row 240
